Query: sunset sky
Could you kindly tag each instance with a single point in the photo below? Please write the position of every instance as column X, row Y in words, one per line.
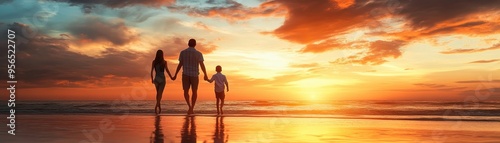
column 269, row 49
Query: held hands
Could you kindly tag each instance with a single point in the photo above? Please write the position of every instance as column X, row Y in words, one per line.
column 175, row 75
column 205, row 77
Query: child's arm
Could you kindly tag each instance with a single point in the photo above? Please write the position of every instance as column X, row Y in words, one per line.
column 227, row 84
column 211, row 80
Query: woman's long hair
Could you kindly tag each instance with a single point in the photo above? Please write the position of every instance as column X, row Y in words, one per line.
column 159, row 57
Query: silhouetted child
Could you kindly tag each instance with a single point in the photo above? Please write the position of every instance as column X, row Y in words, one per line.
column 220, row 80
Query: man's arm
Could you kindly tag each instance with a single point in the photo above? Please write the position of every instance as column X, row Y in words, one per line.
column 168, row 71
column 202, row 65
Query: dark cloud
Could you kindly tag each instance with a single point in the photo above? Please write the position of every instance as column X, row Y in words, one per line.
column 49, row 63
column 46, row 62
column 97, row 29
column 228, row 9
column 484, row 61
column 119, row 3
column 87, row 9
column 453, row 28
column 172, row 46
column 430, row 13
column 23, row 31
column 377, row 53
column 460, row 51
column 5, row 1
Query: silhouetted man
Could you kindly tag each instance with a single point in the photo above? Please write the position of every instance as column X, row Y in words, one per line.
column 189, row 59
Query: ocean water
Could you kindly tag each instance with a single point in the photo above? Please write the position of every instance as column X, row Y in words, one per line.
column 393, row 110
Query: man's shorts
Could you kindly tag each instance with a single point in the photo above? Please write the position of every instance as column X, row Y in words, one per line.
column 189, row 81
column 220, row 95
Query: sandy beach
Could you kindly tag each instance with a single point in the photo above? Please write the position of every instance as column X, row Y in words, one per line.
column 210, row 128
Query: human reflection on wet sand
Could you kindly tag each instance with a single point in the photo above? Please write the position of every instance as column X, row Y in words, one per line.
column 219, row 136
column 157, row 135
column 188, row 132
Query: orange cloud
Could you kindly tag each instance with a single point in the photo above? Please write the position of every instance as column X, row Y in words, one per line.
column 484, row 61
column 377, row 52
column 344, row 3
column 311, row 21
column 459, row 51
column 327, row 45
column 318, row 23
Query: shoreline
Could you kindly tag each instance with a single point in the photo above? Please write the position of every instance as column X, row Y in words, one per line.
column 362, row 117
column 205, row 128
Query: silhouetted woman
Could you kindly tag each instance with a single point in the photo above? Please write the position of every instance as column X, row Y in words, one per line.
column 159, row 64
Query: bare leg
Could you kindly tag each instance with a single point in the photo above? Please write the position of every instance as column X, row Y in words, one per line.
column 221, row 105
column 193, row 100
column 186, row 97
column 218, row 112
column 158, row 97
column 157, row 91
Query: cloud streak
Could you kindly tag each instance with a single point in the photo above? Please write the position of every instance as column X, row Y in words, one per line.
column 479, row 81
column 377, row 53
column 461, row 51
column 120, row 3
column 484, row 61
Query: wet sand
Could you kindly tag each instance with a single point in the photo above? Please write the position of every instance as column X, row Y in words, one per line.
column 208, row 128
